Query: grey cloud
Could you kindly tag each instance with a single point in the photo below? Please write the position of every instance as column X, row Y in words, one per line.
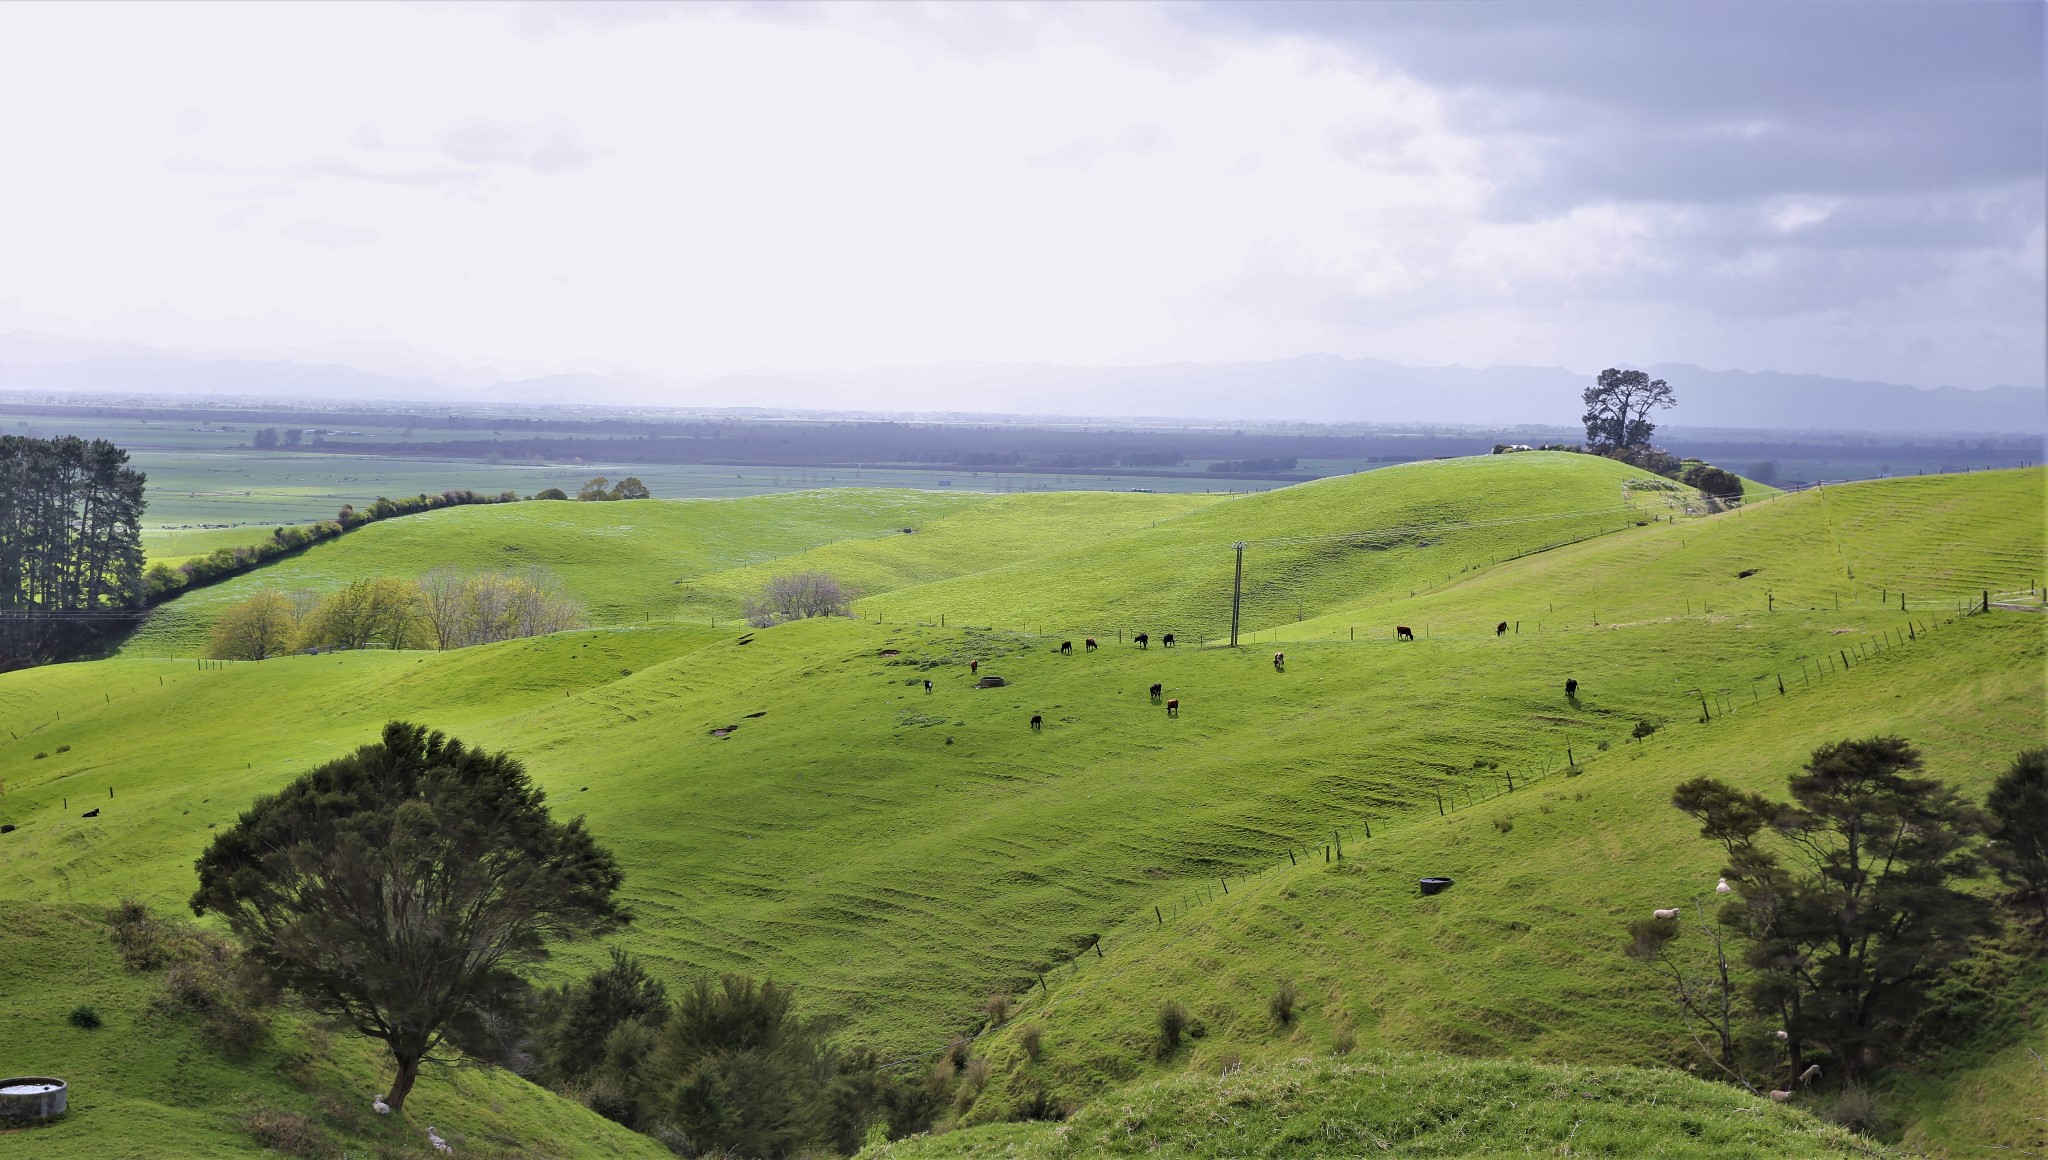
column 1711, row 101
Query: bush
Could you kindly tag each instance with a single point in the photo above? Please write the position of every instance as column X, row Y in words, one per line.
column 551, row 493
column 973, row 1078
column 997, row 1009
column 291, row 1133
column 1856, row 1108
column 138, row 935
column 1344, row 1042
column 1173, row 1024
column 798, row 597
column 63, row 749
column 84, row 1017
column 1281, row 1005
column 1031, row 1037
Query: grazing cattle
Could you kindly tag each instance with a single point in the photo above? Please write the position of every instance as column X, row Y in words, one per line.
column 1173, row 707
column 1142, row 640
column 1088, row 645
column 1037, row 722
column 91, row 813
column 1066, row 648
column 1501, row 629
column 1403, row 632
column 1666, row 914
column 1166, row 641
column 927, row 686
column 973, row 667
column 1571, row 686
column 1156, row 689
column 1279, row 661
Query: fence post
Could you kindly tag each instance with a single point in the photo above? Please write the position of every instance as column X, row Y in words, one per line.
column 1159, row 916
column 1290, row 859
column 1340, row 844
column 1439, row 805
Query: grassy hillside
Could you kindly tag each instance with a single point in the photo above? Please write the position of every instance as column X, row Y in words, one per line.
column 656, row 560
column 1410, row 1105
column 901, row 855
column 148, row 1083
column 1311, row 548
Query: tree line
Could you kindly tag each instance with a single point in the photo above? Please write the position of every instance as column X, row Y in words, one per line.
column 446, row 608
column 70, row 539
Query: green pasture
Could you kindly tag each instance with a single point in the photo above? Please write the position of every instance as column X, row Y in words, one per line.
column 1408, row 1105
column 901, row 855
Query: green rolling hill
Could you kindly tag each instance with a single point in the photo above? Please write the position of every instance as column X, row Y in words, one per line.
column 901, row 855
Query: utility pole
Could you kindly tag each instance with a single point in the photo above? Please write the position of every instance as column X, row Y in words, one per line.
column 1236, row 592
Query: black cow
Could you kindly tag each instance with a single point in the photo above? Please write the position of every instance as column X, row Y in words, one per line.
column 91, row 813
column 973, row 667
column 1089, row 644
column 1501, row 629
column 1037, row 722
column 1066, row 648
column 1279, row 662
column 1403, row 632
column 1142, row 640
column 927, row 686
column 1571, row 687
column 1173, row 707
column 1166, row 641
column 1156, row 691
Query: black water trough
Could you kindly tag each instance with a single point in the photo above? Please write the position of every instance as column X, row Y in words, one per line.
column 32, row 1097
column 1435, row 885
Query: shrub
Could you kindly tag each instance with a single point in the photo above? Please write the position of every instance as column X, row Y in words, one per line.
column 1856, row 1108
column 84, row 1017
column 956, row 1051
column 997, row 1009
column 1281, row 1005
column 1228, row 1062
column 973, row 1078
column 291, row 1133
column 138, row 935
column 39, row 755
column 1504, row 824
column 1344, row 1042
column 551, row 493
column 1173, row 1023
column 63, row 749
column 1031, row 1037
column 798, row 597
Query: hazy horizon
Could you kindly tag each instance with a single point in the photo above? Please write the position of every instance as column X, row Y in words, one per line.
column 690, row 192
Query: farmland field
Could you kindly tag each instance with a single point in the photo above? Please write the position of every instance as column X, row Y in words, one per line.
column 900, row 854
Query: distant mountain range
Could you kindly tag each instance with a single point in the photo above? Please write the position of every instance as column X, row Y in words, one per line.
column 1312, row 389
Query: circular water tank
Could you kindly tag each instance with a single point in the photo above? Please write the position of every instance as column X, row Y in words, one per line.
column 1435, row 885
column 34, row 1097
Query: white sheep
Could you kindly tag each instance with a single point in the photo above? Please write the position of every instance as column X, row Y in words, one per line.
column 1671, row 913
column 1782, row 1036
column 1722, row 887
column 1810, row 1074
column 1782, row 1096
column 439, row 1144
column 382, row 1108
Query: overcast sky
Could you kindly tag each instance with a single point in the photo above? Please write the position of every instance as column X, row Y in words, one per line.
column 1842, row 188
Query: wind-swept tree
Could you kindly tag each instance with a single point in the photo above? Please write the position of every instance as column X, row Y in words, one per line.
column 405, row 888
column 1618, row 408
column 1847, row 894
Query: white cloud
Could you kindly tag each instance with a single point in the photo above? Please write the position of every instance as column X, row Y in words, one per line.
column 330, row 235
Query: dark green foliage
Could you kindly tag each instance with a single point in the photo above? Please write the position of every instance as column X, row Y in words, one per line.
column 572, row 1035
column 1719, row 484
column 402, row 888
column 1173, row 1024
column 266, row 438
column 1618, row 408
column 1281, row 1004
column 1846, row 896
column 84, row 1017
column 551, row 493
column 70, row 538
column 2018, row 806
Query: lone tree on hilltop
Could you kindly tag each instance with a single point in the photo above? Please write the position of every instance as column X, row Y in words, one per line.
column 1618, row 408
column 1846, row 895
column 402, row 888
